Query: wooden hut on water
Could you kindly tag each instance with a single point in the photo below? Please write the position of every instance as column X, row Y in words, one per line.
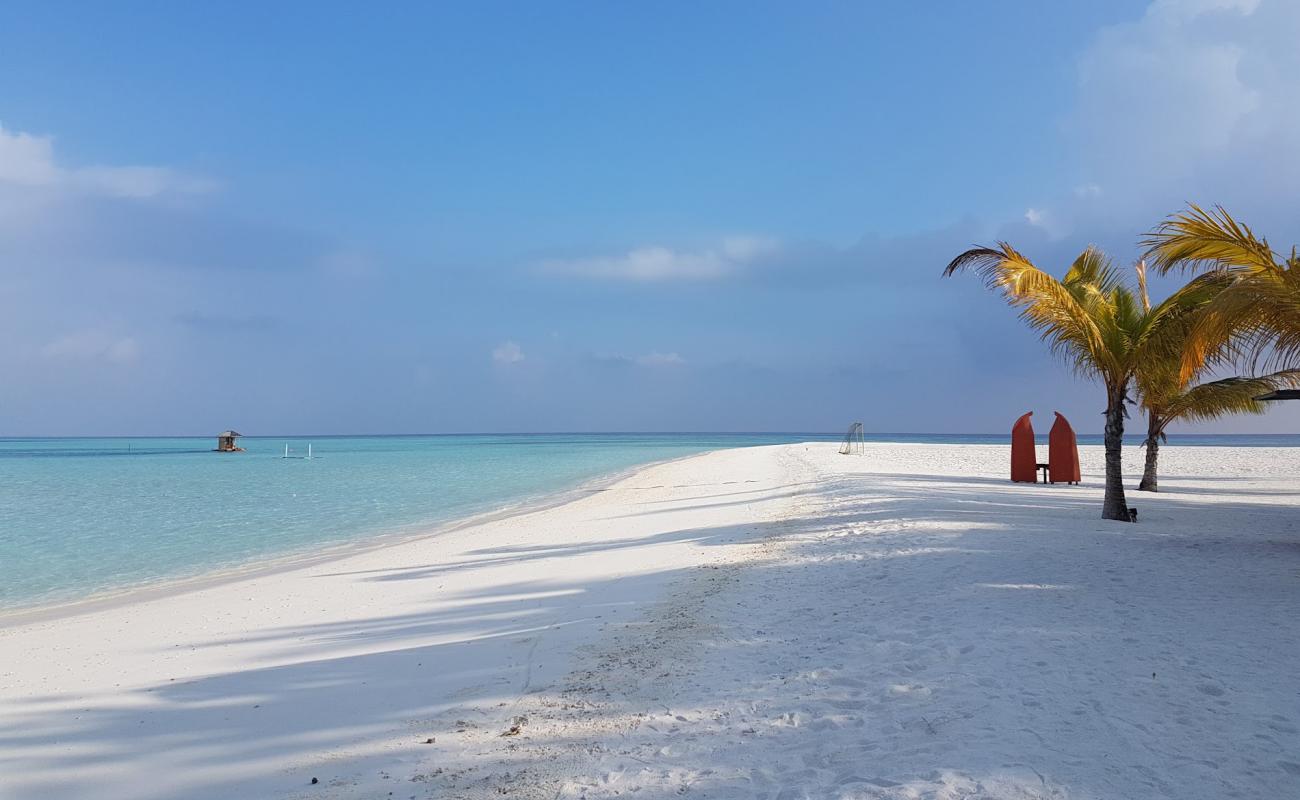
column 226, row 442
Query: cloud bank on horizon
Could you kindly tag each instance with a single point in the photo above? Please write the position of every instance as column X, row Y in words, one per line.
column 612, row 227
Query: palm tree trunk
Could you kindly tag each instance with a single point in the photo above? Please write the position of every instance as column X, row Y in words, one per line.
column 1114, row 505
column 1148, row 483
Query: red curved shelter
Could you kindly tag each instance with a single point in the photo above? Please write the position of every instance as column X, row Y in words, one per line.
column 1024, row 460
column 1062, row 452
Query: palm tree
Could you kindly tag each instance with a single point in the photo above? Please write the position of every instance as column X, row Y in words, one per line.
column 1261, row 306
column 1167, row 395
column 1204, row 402
column 1092, row 319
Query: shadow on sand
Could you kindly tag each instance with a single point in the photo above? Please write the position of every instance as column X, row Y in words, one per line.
column 913, row 574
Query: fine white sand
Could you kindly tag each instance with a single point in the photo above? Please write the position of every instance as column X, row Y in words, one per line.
column 779, row 622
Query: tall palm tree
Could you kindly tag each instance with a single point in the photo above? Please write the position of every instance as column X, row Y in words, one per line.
column 1092, row 319
column 1167, row 396
column 1261, row 306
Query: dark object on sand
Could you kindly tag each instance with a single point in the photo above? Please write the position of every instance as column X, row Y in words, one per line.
column 1132, row 514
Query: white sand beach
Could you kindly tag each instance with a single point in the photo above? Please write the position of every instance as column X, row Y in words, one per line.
column 776, row 622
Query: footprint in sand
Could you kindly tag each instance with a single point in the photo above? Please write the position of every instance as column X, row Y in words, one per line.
column 847, row 705
column 909, row 690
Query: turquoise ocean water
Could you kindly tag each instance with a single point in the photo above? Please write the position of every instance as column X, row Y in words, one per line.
column 85, row 516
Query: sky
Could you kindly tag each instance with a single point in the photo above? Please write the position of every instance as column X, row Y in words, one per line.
column 728, row 216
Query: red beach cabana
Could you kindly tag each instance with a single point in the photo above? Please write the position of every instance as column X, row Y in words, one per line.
column 1024, row 460
column 1062, row 452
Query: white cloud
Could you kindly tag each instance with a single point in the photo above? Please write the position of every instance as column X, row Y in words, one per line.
column 508, row 353
column 643, row 264
column 659, row 263
column 1047, row 221
column 1166, row 89
column 28, row 161
column 93, row 345
column 1188, row 10
column 1196, row 100
column 660, row 360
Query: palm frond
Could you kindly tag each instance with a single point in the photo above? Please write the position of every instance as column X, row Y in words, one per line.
column 1219, row 398
column 1093, row 268
column 1261, row 314
column 1167, row 329
column 1199, row 239
column 1062, row 315
column 1141, row 270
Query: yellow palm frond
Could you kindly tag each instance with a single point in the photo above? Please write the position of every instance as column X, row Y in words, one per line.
column 1141, row 270
column 1259, row 310
column 1064, row 315
column 1168, row 328
column 1198, row 239
column 1092, row 269
column 1215, row 399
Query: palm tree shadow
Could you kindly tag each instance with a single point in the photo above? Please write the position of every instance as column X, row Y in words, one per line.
column 921, row 547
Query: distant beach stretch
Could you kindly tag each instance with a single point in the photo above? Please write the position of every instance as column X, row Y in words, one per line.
column 744, row 622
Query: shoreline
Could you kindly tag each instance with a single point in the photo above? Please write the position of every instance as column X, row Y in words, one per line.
column 766, row 621
column 238, row 689
column 271, row 565
column 165, row 587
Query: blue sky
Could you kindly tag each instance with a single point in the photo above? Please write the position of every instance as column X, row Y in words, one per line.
column 595, row 216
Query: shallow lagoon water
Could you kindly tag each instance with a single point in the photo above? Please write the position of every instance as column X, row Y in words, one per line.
column 82, row 516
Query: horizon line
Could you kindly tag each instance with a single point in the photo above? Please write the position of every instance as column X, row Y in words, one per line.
column 1007, row 433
